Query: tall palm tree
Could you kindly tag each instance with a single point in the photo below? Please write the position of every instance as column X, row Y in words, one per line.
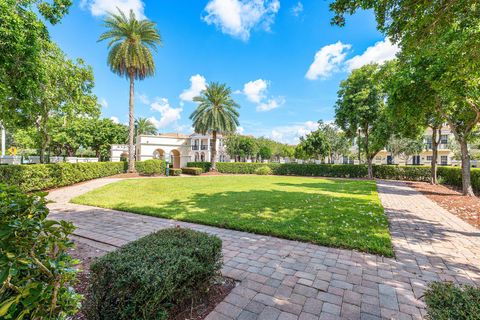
column 144, row 126
column 130, row 56
column 216, row 113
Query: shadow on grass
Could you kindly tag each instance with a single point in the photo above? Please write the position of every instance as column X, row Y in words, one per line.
column 335, row 186
column 346, row 222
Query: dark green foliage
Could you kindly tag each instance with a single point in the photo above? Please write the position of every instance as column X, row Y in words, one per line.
column 264, row 170
column 204, row 165
column 453, row 176
column 47, row 176
column 446, row 301
column 146, row 278
column 192, row 170
column 36, row 272
column 410, row 173
column 150, row 167
column 175, row 171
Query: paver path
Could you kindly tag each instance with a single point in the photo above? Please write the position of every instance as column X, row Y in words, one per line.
column 282, row 279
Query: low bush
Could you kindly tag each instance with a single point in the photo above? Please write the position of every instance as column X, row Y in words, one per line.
column 265, row 170
column 47, row 176
column 204, row 165
column 447, row 301
column 192, row 170
column 175, row 171
column 150, row 167
column 410, row 173
column 36, row 272
column 453, row 176
column 146, row 278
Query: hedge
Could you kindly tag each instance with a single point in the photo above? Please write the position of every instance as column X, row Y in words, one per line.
column 447, row 175
column 150, row 167
column 175, row 171
column 47, row 176
column 192, row 170
column 147, row 278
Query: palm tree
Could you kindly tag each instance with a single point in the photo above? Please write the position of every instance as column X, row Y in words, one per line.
column 144, row 126
column 130, row 56
column 216, row 113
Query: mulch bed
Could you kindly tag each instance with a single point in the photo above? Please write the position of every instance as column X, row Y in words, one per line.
column 466, row 208
column 194, row 310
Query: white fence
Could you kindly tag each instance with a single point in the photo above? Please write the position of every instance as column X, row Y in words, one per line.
column 36, row 159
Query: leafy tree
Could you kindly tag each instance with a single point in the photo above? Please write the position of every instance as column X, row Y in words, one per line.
column 144, row 126
column 104, row 133
column 314, row 145
column 361, row 107
column 336, row 140
column 265, row 152
column 216, row 113
column 404, row 148
column 130, row 56
column 23, row 41
column 299, row 153
column 241, row 147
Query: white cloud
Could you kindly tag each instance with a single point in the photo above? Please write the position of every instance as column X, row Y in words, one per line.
column 168, row 115
column 327, row 60
column 104, row 103
column 378, row 53
column 143, row 98
column 291, row 133
column 297, row 9
column 255, row 90
column 115, row 119
column 240, row 130
column 197, row 84
column 103, row 7
column 271, row 104
column 238, row 17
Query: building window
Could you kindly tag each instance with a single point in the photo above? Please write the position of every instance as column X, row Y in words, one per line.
column 429, row 158
column 444, row 139
column 444, row 160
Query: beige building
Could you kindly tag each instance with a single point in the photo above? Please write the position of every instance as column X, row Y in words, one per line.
column 176, row 148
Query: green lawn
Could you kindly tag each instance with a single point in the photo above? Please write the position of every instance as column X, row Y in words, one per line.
column 333, row 212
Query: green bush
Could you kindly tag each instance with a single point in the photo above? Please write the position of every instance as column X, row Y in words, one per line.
column 175, row 171
column 265, row 170
column 410, row 173
column 204, row 165
column 150, row 167
column 192, row 170
column 36, row 272
column 453, row 176
column 147, row 278
column 447, row 301
column 47, row 176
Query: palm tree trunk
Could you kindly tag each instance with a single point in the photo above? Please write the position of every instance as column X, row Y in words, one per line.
column 213, row 158
column 131, row 124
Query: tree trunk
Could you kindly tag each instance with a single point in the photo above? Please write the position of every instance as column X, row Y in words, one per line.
column 435, row 141
column 213, row 156
column 131, row 129
column 370, row 167
column 466, row 182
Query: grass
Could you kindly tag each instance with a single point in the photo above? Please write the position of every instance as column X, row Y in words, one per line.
column 332, row 212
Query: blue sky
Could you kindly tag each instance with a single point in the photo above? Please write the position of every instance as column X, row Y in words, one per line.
column 282, row 59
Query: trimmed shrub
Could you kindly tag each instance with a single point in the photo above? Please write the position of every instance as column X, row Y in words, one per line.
column 447, row 301
column 150, row 167
column 175, row 171
column 36, row 272
column 204, row 165
column 47, row 176
column 410, row 173
column 453, row 176
column 146, row 278
column 265, row 170
column 192, row 170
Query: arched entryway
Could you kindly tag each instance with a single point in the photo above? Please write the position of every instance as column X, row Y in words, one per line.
column 197, row 157
column 202, row 157
column 159, row 154
column 175, row 158
column 124, row 156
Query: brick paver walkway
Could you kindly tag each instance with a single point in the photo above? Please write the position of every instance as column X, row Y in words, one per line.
column 282, row 279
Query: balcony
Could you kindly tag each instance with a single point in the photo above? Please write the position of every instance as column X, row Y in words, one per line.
column 204, row 147
column 194, row 147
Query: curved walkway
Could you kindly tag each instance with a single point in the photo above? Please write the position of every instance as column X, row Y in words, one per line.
column 283, row 279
